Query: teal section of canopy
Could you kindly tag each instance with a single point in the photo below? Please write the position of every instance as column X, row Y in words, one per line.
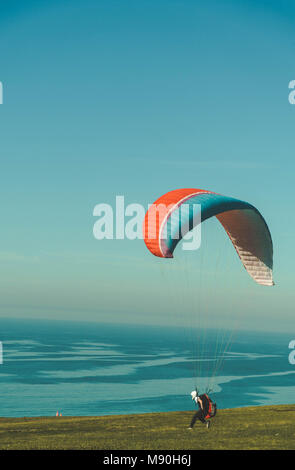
column 198, row 209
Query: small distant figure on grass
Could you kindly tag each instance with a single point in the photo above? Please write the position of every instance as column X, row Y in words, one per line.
column 207, row 409
column 58, row 414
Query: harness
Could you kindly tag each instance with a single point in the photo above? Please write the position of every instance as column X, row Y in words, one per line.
column 212, row 408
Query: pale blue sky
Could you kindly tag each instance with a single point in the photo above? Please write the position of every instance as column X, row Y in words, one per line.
column 137, row 98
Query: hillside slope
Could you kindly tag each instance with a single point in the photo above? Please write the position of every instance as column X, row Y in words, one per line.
column 267, row 427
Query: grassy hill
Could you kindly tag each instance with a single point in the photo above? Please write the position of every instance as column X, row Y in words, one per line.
column 265, row 427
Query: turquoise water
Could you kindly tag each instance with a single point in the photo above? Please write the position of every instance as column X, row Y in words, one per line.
column 94, row 369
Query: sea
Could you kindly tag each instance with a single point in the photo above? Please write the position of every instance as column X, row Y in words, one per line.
column 93, row 369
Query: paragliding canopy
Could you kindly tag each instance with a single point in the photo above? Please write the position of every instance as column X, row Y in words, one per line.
column 243, row 223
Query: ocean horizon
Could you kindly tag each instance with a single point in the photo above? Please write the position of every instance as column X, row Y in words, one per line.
column 93, row 369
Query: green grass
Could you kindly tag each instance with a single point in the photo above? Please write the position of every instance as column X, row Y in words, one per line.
column 267, row 427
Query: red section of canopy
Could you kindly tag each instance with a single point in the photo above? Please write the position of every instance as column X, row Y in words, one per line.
column 152, row 224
